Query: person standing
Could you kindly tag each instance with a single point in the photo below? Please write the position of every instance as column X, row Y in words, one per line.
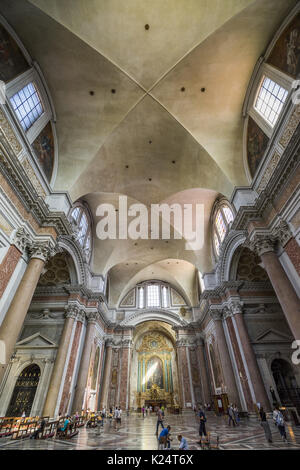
column 159, row 420
column 143, row 412
column 236, row 415
column 264, row 423
column 202, row 426
column 231, row 416
column 281, row 424
column 163, row 411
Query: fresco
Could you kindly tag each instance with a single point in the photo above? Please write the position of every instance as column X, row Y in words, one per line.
column 154, row 372
column 257, row 142
column 12, row 61
column 286, row 52
column 43, row 147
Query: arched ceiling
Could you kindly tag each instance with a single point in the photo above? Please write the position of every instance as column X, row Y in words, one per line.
column 148, row 140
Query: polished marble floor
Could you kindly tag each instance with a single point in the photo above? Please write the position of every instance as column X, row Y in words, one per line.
column 138, row 433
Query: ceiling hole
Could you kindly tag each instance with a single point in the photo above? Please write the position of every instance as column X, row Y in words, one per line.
column 127, row 166
column 113, row 91
column 182, row 89
column 173, row 161
column 147, row 27
column 150, row 141
column 150, row 179
column 92, row 93
column 203, row 89
column 151, row 248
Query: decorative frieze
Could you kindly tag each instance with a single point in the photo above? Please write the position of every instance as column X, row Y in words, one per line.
column 9, row 134
column 269, row 171
column 290, row 127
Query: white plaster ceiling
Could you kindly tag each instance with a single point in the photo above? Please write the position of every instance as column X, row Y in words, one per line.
column 100, row 45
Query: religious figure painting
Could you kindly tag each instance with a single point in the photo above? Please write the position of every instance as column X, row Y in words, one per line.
column 12, row 61
column 154, row 372
column 44, row 149
column 257, row 142
column 286, row 52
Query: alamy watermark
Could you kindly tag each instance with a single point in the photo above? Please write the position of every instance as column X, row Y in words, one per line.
column 159, row 221
column 296, row 354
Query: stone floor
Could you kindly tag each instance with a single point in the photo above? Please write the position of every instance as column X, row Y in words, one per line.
column 138, row 433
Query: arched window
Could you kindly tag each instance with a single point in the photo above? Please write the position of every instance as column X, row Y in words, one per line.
column 80, row 218
column 222, row 219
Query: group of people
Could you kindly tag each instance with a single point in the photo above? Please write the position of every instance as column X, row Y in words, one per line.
column 146, row 410
column 233, row 415
column 278, row 420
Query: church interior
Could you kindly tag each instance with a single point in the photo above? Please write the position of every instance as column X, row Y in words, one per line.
column 177, row 104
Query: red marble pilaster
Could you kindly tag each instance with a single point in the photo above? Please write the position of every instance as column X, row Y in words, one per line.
column 8, row 266
column 70, row 370
column 293, row 251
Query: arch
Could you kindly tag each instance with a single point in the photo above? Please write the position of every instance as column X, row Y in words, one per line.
column 151, row 315
column 24, row 391
column 231, row 243
column 71, row 246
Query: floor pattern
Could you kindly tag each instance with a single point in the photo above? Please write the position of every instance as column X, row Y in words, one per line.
column 138, row 433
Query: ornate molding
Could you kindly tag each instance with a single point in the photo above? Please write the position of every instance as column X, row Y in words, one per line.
column 41, row 250
column 21, row 239
column 72, row 311
column 262, row 243
column 282, row 232
column 92, row 317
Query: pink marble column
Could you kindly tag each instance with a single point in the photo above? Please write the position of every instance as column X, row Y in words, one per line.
column 225, row 359
column 256, row 379
column 84, row 363
column 203, row 371
column 183, row 370
column 285, row 292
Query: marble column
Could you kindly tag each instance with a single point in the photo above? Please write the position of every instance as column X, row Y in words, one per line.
column 55, row 382
column 285, row 292
column 16, row 313
column 85, row 362
column 250, row 359
column 228, row 373
column 203, row 371
column 106, row 376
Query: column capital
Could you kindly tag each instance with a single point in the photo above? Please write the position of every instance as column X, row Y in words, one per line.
column 227, row 312
column 235, row 307
column 216, row 314
column 41, row 250
column 21, row 239
column 282, row 232
column 72, row 311
column 92, row 317
column 81, row 315
column 262, row 243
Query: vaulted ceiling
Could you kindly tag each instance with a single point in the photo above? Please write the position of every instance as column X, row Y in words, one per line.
column 164, row 121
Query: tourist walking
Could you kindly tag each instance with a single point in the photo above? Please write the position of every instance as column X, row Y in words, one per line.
column 265, row 425
column 143, row 412
column 159, row 420
column 281, row 424
column 202, row 426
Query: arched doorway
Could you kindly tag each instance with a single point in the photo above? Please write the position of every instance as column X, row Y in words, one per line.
column 286, row 384
column 24, row 391
column 154, row 375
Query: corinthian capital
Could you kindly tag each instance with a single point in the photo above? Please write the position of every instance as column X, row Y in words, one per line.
column 21, row 239
column 261, row 244
column 282, row 232
column 92, row 317
column 236, row 307
column 41, row 250
column 72, row 311
column 216, row 314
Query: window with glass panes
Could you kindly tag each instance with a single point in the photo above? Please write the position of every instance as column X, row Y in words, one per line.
column 222, row 220
column 27, row 105
column 270, row 100
column 153, row 299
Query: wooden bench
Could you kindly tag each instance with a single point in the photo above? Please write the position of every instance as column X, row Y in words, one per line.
column 208, row 444
column 69, row 432
column 24, row 429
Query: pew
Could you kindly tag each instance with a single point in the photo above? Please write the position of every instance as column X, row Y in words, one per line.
column 69, row 432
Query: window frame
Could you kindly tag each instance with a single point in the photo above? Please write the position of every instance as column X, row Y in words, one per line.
column 283, row 80
column 83, row 210
column 218, row 207
column 17, row 84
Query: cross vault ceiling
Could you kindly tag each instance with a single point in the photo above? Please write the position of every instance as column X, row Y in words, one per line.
column 113, row 143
